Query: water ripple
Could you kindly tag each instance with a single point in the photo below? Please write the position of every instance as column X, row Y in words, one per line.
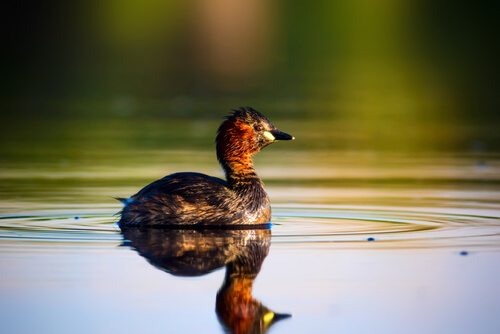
column 410, row 227
column 297, row 223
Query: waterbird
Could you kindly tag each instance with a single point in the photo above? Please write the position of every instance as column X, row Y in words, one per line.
column 195, row 199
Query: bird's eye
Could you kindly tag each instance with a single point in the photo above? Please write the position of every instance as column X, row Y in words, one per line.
column 259, row 128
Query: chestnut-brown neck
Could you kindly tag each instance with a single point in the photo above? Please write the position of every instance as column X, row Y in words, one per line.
column 235, row 150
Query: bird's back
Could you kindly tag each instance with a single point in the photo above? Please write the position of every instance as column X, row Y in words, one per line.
column 185, row 199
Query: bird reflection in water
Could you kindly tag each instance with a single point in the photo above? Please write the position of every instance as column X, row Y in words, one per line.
column 195, row 252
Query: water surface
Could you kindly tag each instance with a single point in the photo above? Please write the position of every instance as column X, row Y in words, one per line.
column 360, row 242
column 385, row 209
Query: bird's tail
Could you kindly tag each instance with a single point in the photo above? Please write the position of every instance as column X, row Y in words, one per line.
column 125, row 201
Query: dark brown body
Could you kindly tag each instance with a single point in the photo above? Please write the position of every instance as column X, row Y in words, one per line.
column 190, row 199
column 197, row 199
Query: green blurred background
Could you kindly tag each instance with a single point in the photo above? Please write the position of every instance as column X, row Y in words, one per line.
column 113, row 76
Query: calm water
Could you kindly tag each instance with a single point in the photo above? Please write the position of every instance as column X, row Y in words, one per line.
column 386, row 209
column 360, row 242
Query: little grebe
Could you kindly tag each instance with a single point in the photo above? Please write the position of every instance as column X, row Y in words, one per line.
column 189, row 199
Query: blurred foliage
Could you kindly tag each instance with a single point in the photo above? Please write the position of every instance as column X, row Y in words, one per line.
column 339, row 75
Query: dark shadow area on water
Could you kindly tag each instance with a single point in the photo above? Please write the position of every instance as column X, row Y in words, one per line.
column 197, row 252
